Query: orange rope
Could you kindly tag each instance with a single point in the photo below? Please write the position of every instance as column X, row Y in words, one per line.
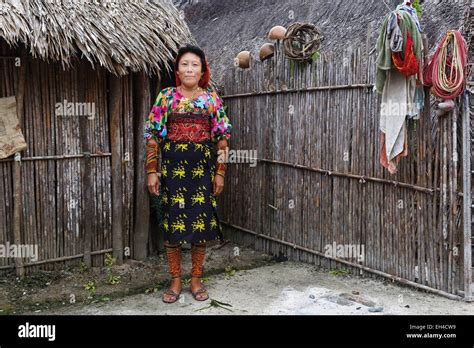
column 444, row 71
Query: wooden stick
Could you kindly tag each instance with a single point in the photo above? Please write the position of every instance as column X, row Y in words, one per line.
column 361, row 178
column 453, row 211
column 58, row 157
column 308, row 89
column 86, row 170
column 444, row 200
column 141, row 202
column 115, row 95
column 467, row 200
column 423, row 128
column 59, row 259
column 17, row 182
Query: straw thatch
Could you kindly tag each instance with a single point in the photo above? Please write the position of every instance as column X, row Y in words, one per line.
column 244, row 25
column 120, row 35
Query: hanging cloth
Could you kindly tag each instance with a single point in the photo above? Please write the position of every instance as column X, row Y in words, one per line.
column 412, row 12
column 384, row 51
column 408, row 65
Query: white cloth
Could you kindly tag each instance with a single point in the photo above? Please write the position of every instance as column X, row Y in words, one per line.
column 397, row 102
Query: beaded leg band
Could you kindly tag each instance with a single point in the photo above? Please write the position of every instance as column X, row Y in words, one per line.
column 198, row 253
column 173, row 253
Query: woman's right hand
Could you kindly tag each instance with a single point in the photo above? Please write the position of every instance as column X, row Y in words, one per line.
column 153, row 184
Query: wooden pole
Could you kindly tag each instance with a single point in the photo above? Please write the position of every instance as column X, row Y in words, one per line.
column 115, row 98
column 141, row 91
column 58, row 157
column 17, row 182
column 308, row 89
column 467, row 200
column 59, row 259
column 362, row 178
column 86, row 174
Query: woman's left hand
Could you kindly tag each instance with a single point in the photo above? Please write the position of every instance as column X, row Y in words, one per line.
column 218, row 184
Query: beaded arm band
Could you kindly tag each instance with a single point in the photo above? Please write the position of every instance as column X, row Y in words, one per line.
column 221, row 169
column 221, row 166
column 151, row 163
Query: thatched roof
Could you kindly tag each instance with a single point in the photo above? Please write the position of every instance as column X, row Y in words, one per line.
column 224, row 28
column 120, row 35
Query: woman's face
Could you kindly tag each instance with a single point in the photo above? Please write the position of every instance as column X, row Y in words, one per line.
column 190, row 70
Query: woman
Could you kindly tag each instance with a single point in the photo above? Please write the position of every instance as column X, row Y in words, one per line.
column 186, row 123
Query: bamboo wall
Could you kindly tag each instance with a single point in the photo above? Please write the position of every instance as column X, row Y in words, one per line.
column 67, row 195
column 319, row 181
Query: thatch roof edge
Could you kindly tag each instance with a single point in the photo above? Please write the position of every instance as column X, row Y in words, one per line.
column 123, row 36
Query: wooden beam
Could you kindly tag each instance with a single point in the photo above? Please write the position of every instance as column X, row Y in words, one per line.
column 17, row 182
column 115, row 99
column 59, row 259
column 57, row 157
column 87, row 184
column 467, row 210
column 141, row 96
column 308, row 89
column 361, row 178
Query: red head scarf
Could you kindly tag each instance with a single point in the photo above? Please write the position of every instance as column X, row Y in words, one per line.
column 204, row 79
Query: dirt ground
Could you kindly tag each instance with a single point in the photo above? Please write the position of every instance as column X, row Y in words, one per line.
column 79, row 286
column 250, row 283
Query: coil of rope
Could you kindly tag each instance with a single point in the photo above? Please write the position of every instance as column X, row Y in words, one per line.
column 301, row 41
column 445, row 70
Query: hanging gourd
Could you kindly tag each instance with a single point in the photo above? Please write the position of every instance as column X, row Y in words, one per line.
column 243, row 60
column 277, row 33
column 266, row 51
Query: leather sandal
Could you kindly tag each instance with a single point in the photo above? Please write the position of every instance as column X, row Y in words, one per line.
column 172, row 293
column 201, row 290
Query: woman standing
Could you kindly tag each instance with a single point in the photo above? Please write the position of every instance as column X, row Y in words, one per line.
column 187, row 123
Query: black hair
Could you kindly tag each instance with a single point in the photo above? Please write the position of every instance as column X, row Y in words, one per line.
column 191, row 49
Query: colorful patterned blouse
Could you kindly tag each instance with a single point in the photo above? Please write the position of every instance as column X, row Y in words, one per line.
column 171, row 100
